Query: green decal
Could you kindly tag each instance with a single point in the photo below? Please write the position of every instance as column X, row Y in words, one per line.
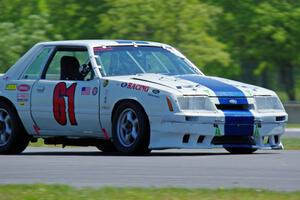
column 249, row 92
column 256, row 131
column 217, row 132
column 207, row 91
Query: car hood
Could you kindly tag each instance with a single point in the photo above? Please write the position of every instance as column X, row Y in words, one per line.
column 197, row 85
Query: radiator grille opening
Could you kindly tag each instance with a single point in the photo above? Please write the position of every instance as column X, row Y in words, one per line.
column 226, row 139
column 200, row 139
column 186, row 138
column 233, row 106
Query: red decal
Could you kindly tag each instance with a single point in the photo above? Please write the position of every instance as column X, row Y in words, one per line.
column 102, row 48
column 59, row 104
column 134, row 86
column 105, row 134
column 23, row 88
column 36, row 129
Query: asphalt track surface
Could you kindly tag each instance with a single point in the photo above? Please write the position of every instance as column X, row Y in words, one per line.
column 292, row 132
column 88, row 167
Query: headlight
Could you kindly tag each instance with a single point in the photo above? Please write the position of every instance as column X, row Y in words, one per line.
column 195, row 104
column 268, row 104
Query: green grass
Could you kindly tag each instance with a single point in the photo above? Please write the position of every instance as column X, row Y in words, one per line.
column 291, row 143
column 39, row 143
column 293, row 125
column 60, row 192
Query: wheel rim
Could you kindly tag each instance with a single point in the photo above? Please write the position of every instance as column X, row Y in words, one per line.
column 5, row 127
column 127, row 127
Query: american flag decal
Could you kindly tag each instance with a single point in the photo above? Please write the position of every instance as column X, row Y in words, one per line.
column 85, row 91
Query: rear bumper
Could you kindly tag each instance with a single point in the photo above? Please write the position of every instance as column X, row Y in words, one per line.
column 208, row 131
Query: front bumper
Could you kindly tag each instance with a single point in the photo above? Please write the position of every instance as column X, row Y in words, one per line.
column 186, row 130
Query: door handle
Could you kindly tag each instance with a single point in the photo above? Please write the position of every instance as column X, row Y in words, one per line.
column 40, row 88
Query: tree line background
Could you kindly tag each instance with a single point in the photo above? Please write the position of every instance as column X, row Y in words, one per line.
column 254, row 41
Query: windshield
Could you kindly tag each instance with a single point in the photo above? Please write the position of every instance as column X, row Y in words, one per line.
column 130, row 60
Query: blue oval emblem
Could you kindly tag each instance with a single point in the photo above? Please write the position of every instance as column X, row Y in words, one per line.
column 155, row 91
column 123, row 84
column 233, row 101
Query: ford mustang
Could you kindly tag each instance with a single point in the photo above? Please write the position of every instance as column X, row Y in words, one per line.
column 131, row 97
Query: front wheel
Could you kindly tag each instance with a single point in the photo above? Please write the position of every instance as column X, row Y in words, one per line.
column 240, row 150
column 130, row 129
column 13, row 138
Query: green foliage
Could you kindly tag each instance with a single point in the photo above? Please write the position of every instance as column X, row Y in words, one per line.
column 16, row 39
column 183, row 24
column 264, row 39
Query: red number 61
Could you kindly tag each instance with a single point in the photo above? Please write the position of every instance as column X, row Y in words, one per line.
column 59, row 104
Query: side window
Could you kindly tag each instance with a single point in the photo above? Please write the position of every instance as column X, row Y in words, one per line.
column 70, row 65
column 34, row 69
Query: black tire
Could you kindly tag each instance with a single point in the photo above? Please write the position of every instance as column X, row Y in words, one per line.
column 17, row 141
column 140, row 144
column 107, row 147
column 240, row 150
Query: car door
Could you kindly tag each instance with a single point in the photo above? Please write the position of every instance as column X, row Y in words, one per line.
column 63, row 101
column 23, row 86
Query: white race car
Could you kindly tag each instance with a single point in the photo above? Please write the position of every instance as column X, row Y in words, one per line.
column 131, row 97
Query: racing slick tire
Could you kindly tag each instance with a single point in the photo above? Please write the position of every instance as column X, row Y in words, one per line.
column 240, row 150
column 130, row 129
column 107, row 147
column 13, row 137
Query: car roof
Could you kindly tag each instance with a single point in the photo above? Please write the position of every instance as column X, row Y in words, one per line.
column 100, row 43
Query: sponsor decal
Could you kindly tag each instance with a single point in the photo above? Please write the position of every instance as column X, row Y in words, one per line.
column 131, row 42
column 217, row 131
column 21, row 103
column 105, row 96
column 5, row 78
column 95, row 91
column 249, row 92
column 85, row 91
column 134, row 86
column 155, row 91
column 22, row 97
column 256, row 131
column 103, row 48
column 207, row 92
column 105, row 83
column 36, row 129
column 153, row 95
column 105, row 134
column 23, row 88
column 10, row 87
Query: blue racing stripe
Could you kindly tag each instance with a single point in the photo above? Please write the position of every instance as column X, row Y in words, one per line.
column 130, row 42
column 220, row 89
column 237, row 122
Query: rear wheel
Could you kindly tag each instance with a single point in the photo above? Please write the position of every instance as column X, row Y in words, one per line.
column 240, row 150
column 131, row 131
column 13, row 137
